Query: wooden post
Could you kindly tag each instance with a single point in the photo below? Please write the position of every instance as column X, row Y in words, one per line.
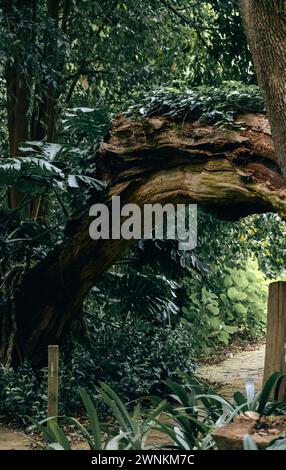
column 53, row 381
column 275, row 355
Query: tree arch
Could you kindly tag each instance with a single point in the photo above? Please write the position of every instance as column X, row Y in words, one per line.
column 233, row 172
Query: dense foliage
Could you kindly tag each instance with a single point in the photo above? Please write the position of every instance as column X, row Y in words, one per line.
column 232, row 302
column 158, row 309
column 211, row 105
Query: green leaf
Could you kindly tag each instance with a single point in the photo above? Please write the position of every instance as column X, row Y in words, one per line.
column 117, row 406
column 75, row 181
column 58, row 435
column 228, row 281
column 234, row 294
column 239, row 308
column 39, row 425
column 239, row 398
column 41, row 149
column 83, row 431
column 267, row 389
column 93, row 418
column 213, row 309
column 180, row 393
column 72, row 182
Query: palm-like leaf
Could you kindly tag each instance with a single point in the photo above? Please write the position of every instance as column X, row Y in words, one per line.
column 148, row 296
column 35, row 174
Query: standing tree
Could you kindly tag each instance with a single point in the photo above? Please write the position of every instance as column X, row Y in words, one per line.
column 265, row 26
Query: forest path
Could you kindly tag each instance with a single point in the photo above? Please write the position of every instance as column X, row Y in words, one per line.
column 230, row 375
column 13, row 440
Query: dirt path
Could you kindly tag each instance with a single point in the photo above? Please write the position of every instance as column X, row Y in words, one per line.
column 13, row 440
column 16, row 440
column 230, row 375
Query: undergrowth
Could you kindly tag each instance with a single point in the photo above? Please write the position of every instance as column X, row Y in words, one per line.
column 211, row 105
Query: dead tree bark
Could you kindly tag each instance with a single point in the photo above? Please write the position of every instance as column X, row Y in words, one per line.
column 155, row 160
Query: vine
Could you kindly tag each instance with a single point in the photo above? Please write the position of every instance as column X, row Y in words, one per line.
column 211, row 105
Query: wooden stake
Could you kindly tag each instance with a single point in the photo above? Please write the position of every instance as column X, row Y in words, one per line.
column 53, row 381
column 275, row 355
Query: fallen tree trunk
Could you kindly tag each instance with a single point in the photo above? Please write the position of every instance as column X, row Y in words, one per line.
column 156, row 160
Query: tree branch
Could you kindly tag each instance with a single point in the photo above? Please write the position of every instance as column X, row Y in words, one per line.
column 84, row 62
column 156, row 160
column 185, row 21
column 84, row 72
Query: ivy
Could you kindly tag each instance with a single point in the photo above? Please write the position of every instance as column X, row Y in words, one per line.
column 210, row 105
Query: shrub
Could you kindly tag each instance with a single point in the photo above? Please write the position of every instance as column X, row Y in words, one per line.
column 243, row 298
column 234, row 301
column 203, row 318
column 23, row 392
column 134, row 357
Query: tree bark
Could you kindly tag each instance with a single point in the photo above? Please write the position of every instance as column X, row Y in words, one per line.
column 45, row 114
column 19, row 84
column 156, row 160
column 18, row 95
column 265, row 26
